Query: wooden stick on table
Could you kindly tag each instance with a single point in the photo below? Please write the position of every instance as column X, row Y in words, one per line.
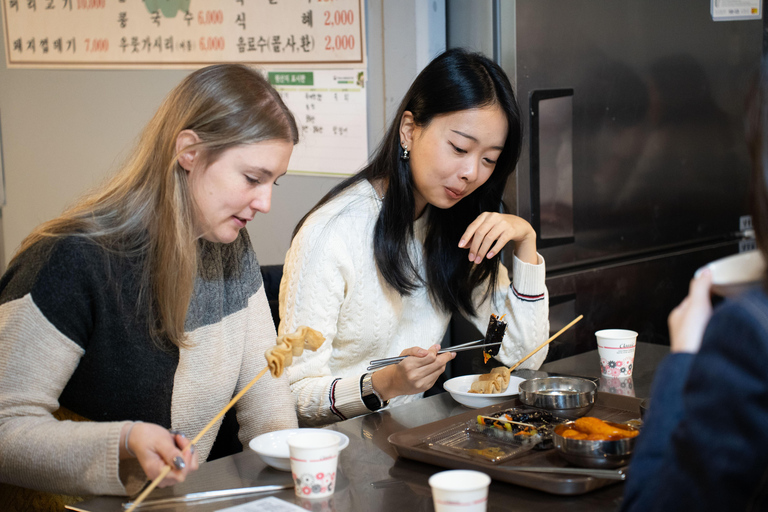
column 558, row 333
column 167, row 469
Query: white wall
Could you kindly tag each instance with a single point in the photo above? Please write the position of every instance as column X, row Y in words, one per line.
column 64, row 131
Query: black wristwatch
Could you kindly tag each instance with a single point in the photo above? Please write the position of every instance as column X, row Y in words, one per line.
column 370, row 397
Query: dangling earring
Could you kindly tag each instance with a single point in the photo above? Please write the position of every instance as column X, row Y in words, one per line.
column 406, row 154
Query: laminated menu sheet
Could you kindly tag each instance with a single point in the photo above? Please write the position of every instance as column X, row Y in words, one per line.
column 330, row 110
column 183, row 33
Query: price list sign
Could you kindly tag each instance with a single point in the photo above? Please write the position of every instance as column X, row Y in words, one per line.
column 183, row 33
column 330, row 110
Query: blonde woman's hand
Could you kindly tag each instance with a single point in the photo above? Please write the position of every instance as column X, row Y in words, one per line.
column 689, row 319
column 491, row 231
column 155, row 447
column 414, row 374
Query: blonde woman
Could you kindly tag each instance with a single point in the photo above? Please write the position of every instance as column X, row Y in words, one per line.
column 140, row 311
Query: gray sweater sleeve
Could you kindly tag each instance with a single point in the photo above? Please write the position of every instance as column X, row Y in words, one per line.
column 36, row 450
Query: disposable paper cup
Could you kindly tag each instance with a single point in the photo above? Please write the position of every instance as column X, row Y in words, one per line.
column 314, row 457
column 460, row 490
column 616, row 348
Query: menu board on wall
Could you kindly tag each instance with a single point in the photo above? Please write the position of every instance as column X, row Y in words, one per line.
column 183, row 33
column 330, row 111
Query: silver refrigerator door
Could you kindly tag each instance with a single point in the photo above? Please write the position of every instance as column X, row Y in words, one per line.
column 634, row 150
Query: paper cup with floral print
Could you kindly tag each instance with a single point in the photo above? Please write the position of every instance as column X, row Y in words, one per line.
column 616, row 348
column 460, row 490
column 314, row 458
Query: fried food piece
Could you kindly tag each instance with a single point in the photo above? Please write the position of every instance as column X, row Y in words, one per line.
column 304, row 338
column 485, row 387
column 573, row 434
column 590, row 425
column 497, row 377
column 290, row 345
column 278, row 357
column 504, row 372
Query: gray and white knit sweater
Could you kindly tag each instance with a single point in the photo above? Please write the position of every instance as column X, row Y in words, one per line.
column 72, row 336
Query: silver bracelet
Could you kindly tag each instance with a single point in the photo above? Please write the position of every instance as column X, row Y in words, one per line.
column 127, row 435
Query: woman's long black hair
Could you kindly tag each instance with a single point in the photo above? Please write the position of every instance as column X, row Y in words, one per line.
column 757, row 118
column 456, row 80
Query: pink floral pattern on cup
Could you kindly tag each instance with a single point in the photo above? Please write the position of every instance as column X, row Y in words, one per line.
column 314, row 459
column 616, row 368
column 319, row 483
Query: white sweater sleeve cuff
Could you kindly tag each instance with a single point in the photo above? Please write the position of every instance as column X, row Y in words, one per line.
column 528, row 280
column 345, row 398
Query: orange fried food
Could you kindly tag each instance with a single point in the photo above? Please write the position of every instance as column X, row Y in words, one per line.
column 573, row 434
column 596, row 426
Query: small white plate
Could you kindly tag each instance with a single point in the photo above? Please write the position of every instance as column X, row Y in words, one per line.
column 272, row 447
column 458, row 387
column 734, row 274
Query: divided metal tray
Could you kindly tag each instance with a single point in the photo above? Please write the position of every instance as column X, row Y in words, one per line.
column 413, row 444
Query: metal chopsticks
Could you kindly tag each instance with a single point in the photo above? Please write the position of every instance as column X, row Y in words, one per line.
column 610, row 474
column 210, row 495
column 381, row 363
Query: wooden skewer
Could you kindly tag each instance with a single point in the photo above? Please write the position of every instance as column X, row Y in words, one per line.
column 509, row 421
column 167, row 469
column 558, row 333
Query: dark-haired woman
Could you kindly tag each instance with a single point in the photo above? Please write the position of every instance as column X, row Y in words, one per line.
column 381, row 263
column 139, row 312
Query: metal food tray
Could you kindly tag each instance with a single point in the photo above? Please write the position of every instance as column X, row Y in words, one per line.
column 411, row 444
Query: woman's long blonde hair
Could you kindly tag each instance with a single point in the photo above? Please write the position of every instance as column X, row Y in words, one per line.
column 146, row 210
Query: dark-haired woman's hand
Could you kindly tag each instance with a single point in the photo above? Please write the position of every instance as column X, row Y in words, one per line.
column 491, row 231
column 155, row 447
column 414, row 374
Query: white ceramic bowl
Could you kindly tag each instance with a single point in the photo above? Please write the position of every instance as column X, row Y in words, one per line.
column 458, row 387
column 272, row 447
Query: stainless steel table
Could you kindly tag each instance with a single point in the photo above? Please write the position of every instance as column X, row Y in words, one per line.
column 372, row 477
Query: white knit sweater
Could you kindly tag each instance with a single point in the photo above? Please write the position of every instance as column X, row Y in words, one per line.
column 331, row 283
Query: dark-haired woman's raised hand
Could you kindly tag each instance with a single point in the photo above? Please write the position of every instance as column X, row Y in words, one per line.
column 491, row 231
column 414, row 374
column 155, row 447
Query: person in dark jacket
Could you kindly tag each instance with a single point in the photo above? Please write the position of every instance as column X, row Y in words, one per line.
column 704, row 444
